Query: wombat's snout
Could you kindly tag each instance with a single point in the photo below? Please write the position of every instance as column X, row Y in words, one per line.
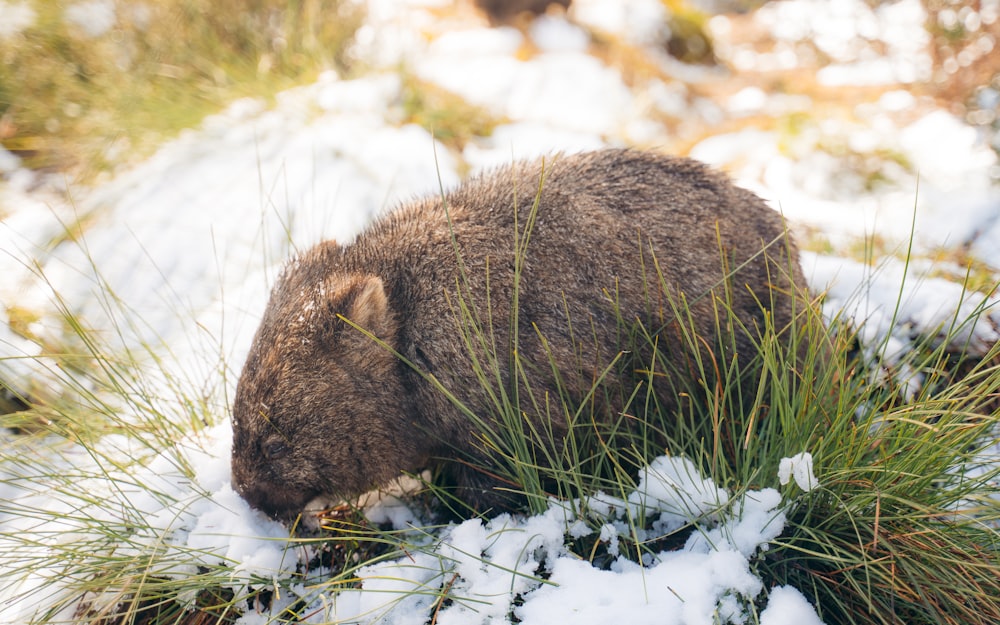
column 278, row 501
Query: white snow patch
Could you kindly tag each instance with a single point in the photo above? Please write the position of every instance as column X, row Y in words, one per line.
column 640, row 22
column 9, row 163
column 682, row 588
column 94, row 17
column 204, row 222
column 894, row 307
column 15, row 17
column 941, row 198
column 799, row 467
column 846, row 31
column 675, row 486
column 787, row 606
column 547, row 90
column 556, row 34
column 487, row 565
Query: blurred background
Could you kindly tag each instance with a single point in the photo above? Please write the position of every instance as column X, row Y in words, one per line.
column 88, row 87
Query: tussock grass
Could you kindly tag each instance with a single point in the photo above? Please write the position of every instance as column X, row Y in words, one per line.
column 72, row 100
column 904, row 526
column 452, row 120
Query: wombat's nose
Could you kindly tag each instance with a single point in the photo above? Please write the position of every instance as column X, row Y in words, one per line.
column 250, row 492
column 278, row 501
column 243, row 489
column 239, row 482
column 256, row 497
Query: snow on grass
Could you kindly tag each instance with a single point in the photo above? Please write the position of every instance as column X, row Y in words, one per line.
column 641, row 22
column 800, row 468
column 896, row 307
column 520, row 565
column 847, row 32
column 489, row 569
column 208, row 220
column 481, row 66
column 851, row 180
column 93, row 17
column 199, row 521
column 787, row 606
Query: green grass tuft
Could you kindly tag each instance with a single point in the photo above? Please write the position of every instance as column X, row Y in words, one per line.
column 453, row 121
column 898, row 532
column 72, row 101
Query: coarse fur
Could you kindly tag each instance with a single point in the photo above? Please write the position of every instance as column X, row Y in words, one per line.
column 324, row 409
column 504, row 11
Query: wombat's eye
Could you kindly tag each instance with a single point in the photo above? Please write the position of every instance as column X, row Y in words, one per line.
column 275, row 449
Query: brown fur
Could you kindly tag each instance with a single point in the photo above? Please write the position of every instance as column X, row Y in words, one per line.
column 322, row 409
column 504, row 11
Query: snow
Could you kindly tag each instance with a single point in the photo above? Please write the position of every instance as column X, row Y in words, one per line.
column 846, row 31
column 941, row 198
column 895, row 302
column 278, row 179
column 93, row 17
column 787, row 606
column 552, row 34
column 640, row 22
column 481, row 67
column 493, row 568
column 800, row 468
column 685, row 588
column 666, row 482
column 179, row 253
column 15, row 17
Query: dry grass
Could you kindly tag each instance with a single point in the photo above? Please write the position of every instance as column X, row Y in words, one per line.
column 74, row 102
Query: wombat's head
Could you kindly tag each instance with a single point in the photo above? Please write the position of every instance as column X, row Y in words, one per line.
column 319, row 406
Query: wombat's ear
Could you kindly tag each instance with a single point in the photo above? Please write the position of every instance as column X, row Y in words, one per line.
column 369, row 306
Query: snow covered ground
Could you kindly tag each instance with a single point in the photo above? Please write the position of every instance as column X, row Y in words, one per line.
column 178, row 255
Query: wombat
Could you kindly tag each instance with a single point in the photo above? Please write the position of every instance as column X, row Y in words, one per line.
column 503, row 11
column 324, row 408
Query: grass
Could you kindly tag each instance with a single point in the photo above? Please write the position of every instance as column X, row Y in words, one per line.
column 98, row 481
column 452, row 120
column 84, row 104
column 899, row 532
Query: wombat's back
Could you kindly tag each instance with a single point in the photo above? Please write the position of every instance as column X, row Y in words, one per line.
column 612, row 224
column 614, row 237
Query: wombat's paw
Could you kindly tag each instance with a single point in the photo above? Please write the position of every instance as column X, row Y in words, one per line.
column 314, row 511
